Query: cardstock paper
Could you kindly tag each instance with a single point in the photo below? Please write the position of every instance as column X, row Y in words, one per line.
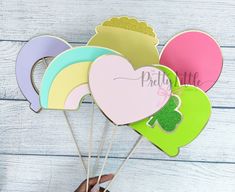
column 67, row 76
column 126, row 95
column 195, row 57
column 33, row 51
column 134, row 39
column 195, row 108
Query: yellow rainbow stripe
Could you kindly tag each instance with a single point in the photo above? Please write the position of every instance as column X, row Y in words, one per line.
column 65, row 82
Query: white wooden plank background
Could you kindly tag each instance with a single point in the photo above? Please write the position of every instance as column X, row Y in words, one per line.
column 36, row 150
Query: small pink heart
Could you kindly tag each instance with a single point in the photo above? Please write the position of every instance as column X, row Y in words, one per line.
column 126, row 95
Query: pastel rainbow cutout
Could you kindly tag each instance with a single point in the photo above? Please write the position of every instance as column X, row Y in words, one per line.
column 70, row 78
column 64, row 83
column 76, row 96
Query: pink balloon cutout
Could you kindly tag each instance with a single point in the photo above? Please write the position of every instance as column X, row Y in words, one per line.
column 195, row 57
column 36, row 49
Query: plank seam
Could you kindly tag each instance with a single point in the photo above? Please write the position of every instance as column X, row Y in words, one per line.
column 88, row 102
column 84, row 43
column 122, row 158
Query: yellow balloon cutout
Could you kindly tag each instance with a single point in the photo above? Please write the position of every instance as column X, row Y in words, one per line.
column 134, row 39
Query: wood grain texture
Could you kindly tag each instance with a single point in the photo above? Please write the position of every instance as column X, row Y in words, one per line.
column 223, row 90
column 36, row 151
column 60, row 174
column 76, row 20
column 46, row 133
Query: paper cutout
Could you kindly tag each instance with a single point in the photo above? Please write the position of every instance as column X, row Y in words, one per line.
column 195, row 57
column 33, row 51
column 126, row 95
column 73, row 100
column 134, row 39
column 65, row 81
column 168, row 117
column 195, row 109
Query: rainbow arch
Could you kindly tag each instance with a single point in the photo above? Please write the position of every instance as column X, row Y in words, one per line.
column 65, row 81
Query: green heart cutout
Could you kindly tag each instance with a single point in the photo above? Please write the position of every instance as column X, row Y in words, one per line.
column 195, row 109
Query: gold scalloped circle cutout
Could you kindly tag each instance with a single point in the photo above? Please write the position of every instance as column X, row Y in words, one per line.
column 131, row 24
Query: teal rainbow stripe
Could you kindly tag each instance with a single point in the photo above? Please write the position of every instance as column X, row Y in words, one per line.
column 69, row 57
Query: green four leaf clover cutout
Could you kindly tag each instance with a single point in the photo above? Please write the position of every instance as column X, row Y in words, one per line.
column 168, row 117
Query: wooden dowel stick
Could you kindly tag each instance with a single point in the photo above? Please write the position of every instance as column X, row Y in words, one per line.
column 107, row 153
column 90, row 137
column 71, row 130
column 101, row 146
column 124, row 162
column 75, row 141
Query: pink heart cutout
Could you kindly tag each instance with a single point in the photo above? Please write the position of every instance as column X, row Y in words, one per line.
column 126, row 95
